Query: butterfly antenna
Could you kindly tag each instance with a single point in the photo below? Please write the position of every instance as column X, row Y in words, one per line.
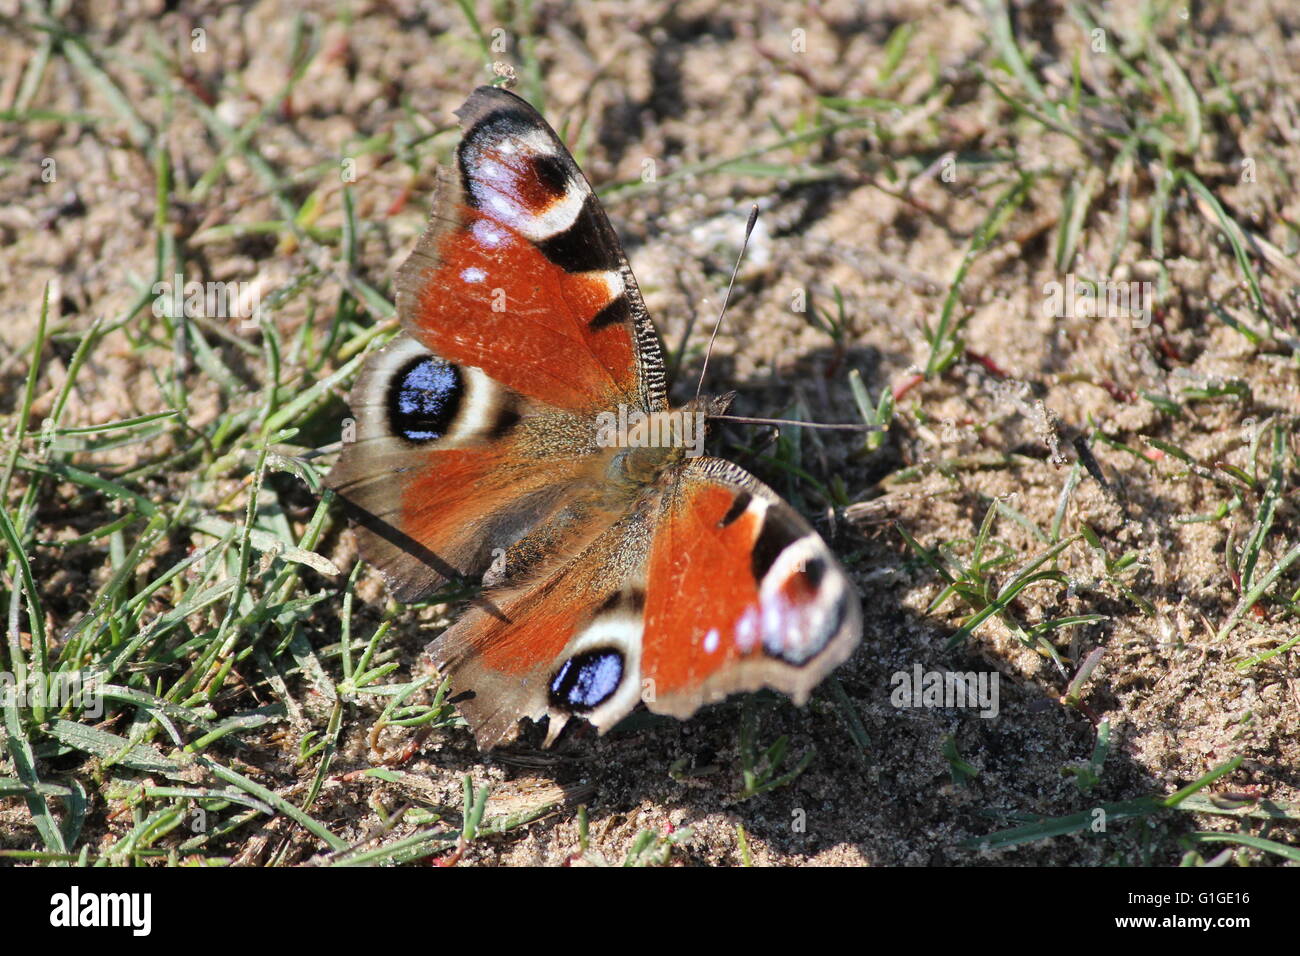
column 749, row 227
column 836, row 426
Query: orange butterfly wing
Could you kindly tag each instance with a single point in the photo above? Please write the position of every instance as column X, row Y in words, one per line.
column 521, row 275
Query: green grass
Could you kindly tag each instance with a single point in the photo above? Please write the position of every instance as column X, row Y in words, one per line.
column 972, row 579
column 167, row 633
column 764, row 769
column 1167, row 121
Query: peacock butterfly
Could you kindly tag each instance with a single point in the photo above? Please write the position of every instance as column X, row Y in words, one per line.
column 520, row 430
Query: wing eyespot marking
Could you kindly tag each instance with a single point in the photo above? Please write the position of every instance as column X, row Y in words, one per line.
column 424, row 399
column 587, row 680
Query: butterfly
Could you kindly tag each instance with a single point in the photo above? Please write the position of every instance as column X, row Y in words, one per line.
column 519, row 431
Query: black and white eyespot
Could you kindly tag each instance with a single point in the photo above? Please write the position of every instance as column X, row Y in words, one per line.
column 797, row 634
column 424, row 399
column 599, row 677
column 419, row 398
column 495, row 157
column 587, row 680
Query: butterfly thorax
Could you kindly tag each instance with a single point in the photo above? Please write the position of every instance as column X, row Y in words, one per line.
column 646, row 445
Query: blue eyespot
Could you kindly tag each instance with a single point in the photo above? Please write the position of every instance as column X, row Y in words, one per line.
column 587, row 680
column 423, row 399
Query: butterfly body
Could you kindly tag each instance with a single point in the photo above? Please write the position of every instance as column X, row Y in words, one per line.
column 520, row 432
